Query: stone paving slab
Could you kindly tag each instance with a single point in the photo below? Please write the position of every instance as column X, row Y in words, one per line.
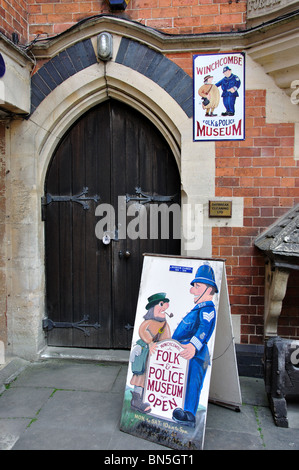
column 76, row 405
column 69, row 376
column 11, row 430
column 24, row 402
column 231, row 430
column 276, row 438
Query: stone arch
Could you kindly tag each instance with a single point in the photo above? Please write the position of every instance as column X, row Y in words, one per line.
column 138, row 75
column 65, row 87
column 61, row 93
column 139, row 57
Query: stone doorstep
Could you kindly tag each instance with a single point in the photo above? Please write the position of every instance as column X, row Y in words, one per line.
column 99, row 355
column 10, row 371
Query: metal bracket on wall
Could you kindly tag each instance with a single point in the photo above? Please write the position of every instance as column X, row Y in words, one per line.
column 49, row 324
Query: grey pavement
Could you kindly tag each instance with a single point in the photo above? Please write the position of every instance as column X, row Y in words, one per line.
column 63, row 404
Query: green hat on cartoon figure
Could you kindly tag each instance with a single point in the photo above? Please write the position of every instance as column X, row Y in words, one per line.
column 155, row 299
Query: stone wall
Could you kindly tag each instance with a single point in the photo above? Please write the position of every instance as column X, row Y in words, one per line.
column 3, row 305
column 260, row 174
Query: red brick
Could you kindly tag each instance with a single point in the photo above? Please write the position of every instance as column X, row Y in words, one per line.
column 248, row 152
column 225, row 240
column 284, row 152
column 205, row 10
column 227, row 181
column 246, row 192
column 226, row 251
column 266, row 142
column 229, row 19
column 239, row 299
column 223, row 192
column 245, row 162
column 243, row 232
column 248, row 172
column 285, row 130
column 256, row 339
column 260, row 182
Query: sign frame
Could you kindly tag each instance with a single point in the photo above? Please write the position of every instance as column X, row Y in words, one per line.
column 218, row 113
column 145, row 420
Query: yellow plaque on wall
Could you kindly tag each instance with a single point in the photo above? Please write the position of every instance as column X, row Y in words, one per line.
column 220, row 208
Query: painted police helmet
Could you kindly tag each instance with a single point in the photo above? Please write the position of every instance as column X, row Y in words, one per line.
column 205, row 274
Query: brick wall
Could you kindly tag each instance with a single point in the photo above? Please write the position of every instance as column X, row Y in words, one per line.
column 189, row 16
column 30, row 18
column 262, row 170
column 13, row 18
column 50, row 17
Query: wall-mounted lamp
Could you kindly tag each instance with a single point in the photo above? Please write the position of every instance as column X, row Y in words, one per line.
column 118, row 4
column 2, row 66
column 105, row 46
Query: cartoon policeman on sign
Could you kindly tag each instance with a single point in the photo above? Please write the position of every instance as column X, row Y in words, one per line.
column 230, row 85
column 194, row 332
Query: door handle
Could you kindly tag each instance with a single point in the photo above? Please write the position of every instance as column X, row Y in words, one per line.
column 124, row 254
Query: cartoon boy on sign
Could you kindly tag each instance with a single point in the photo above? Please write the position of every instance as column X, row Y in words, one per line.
column 154, row 328
column 194, row 332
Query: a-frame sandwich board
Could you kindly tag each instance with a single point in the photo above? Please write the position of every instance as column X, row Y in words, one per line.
column 182, row 300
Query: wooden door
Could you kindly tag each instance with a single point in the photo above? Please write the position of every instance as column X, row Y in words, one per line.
column 92, row 287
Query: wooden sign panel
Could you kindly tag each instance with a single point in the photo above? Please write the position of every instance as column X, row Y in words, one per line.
column 169, row 373
column 166, row 379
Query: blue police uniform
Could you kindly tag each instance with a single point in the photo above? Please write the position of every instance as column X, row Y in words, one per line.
column 229, row 98
column 196, row 327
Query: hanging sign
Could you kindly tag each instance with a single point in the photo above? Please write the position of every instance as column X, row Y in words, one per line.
column 219, row 93
column 170, row 365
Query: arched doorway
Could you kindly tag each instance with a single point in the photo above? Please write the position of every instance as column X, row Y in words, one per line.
column 92, row 287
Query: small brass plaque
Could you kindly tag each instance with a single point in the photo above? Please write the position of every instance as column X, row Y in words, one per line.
column 220, row 208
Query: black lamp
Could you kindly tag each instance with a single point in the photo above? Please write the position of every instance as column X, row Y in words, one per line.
column 118, row 4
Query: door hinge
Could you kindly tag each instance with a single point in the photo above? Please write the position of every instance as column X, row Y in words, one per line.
column 144, row 198
column 81, row 198
column 82, row 325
